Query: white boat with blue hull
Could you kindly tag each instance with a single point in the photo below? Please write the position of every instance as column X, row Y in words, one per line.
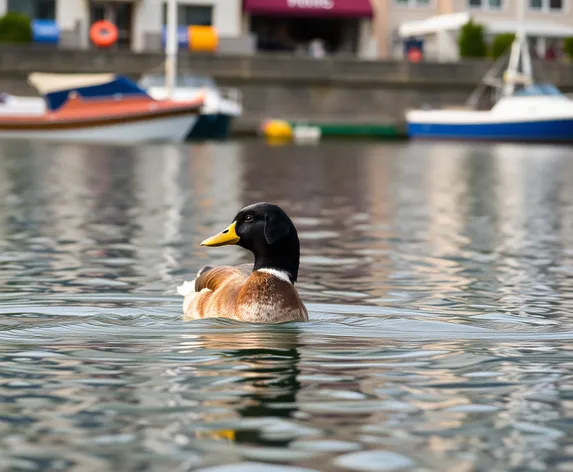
column 523, row 109
column 535, row 113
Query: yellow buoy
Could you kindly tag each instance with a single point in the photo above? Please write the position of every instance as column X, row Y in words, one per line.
column 277, row 129
column 203, row 38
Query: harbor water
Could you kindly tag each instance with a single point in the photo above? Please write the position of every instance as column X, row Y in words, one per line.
column 438, row 279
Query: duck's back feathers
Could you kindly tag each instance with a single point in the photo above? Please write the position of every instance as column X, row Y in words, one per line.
column 212, row 278
column 245, row 295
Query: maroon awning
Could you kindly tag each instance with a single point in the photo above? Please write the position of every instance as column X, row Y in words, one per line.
column 332, row 8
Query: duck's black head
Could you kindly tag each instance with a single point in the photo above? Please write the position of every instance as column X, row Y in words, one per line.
column 267, row 231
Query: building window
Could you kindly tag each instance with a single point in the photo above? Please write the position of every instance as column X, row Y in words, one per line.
column 486, row 4
column 547, row 5
column 34, row 9
column 413, row 3
column 201, row 15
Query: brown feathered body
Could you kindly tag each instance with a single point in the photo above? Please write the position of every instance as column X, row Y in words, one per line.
column 243, row 294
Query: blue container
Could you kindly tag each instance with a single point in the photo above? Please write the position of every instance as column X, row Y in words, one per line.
column 45, row 32
column 182, row 37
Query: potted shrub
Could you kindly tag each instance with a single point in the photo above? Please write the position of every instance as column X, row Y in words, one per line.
column 568, row 47
column 501, row 44
column 15, row 28
column 471, row 40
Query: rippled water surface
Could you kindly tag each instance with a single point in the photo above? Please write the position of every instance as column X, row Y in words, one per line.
column 438, row 279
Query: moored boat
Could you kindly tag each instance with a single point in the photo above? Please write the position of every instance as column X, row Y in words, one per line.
column 96, row 107
column 537, row 113
column 523, row 109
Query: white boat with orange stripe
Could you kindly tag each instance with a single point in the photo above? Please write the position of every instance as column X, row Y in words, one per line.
column 95, row 108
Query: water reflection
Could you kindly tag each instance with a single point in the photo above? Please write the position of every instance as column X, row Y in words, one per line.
column 437, row 278
column 263, row 370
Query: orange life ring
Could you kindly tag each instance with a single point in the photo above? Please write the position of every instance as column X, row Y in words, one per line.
column 414, row 55
column 103, row 33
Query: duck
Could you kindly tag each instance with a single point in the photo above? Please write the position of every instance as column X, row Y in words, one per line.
column 260, row 293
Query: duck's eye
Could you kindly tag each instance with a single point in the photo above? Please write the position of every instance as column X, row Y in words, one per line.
column 249, row 218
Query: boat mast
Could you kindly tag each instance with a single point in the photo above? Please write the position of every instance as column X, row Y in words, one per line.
column 491, row 79
column 171, row 45
column 519, row 50
column 514, row 74
column 526, row 57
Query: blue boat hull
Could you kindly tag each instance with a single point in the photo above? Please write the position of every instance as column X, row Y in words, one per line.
column 214, row 126
column 538, row 131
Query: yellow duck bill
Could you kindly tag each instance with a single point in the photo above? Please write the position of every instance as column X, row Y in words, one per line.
column 225, row 237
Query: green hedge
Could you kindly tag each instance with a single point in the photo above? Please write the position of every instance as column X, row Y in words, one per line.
column 568, row 47
column 501, row 44
column 15, row 28
column 471, row 40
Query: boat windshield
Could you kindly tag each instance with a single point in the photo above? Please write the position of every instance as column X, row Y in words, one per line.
column 538, row 89
column 190, row 81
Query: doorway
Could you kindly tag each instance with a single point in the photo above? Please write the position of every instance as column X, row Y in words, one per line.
column 280, row 33
column 120, row 14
